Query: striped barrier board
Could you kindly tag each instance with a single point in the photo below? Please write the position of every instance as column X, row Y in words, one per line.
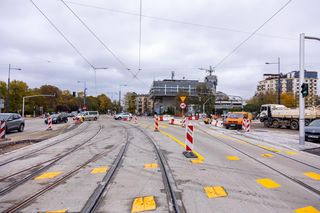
column 189, row 141
column 2, row 129
column 246, row 123
column 156, row 124
column 49, row 127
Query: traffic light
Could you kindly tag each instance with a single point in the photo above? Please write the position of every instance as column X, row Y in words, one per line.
column 74, row 94
column 304, row 90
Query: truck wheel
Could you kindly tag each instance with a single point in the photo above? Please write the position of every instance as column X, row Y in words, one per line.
column 275, row 124
column 294, row 125
column 266, row 123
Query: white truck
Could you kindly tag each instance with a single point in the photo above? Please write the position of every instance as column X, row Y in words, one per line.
column 276, row 116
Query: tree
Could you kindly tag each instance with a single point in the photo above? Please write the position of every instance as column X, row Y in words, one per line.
column 3, row 89
column 288, row 100
column 18, row 89
column 205, row 96
column 104, row 103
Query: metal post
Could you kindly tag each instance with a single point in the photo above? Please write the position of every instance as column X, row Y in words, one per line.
column 85, row 95
column 8, row 91
column 23, row 106
column 301, row 99
column 279, row 86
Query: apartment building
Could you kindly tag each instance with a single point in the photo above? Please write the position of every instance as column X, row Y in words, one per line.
column 289, row 83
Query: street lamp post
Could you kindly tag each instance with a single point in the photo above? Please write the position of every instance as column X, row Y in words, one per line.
column 121, row 85
column 84, row 92
column 95, row 76
column 8, row 89
column 279, row 84
column 31, row 96
column 301, row 81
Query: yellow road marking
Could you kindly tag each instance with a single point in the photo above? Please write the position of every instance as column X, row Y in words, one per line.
column 200, row 157
column 307, row 209
column 233, row 158
column 290, row 152
column 151, row 166
column 99, row 170
column 141, row 204
column 196, row 161
column 267, row 155
column 57, row 211
column 215, row 191
column 312, row 175
column 269, row 148
column 268, row 183
column 48, row 175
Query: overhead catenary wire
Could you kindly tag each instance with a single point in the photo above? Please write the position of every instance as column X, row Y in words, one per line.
column 252, row 34
column 179, row 21
column 100, row 41
column 61, row 33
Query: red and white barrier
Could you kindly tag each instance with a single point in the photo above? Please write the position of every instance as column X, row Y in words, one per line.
column 183, row 122
column 135, row 119
column 49, row 127
column 2, row 129
column 172, row 121
column 189, row 138
column 156, row 124
column 217, row 123
column 246, row 123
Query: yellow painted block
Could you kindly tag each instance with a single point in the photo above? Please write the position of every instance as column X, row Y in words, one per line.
column 151, row 166
column 149, row 203
column 48, row 175
column 57, row 211
column 267, row 155
column 99, row 170
column 268, row 183
column 196, row 161
column 290, row 152
column 215, row 191
column 137, row 205
column 312, row 175
column 233, row 158
column 141, row 204
column 307, row 209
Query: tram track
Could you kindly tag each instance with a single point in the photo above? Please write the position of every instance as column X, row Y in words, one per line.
column 39, row 169
column 174, row 203
column 286, row 176
column 40, row 149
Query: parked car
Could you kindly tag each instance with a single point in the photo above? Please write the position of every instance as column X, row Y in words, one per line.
column 91, row 115
column 57, row 118
column 122, row 115
column 312, row 132
column 13, row 121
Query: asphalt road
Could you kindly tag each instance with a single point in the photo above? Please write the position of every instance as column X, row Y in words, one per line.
column 230, row 175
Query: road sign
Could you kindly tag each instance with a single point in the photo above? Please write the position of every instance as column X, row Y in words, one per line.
column 183, row 105
column 182, row 98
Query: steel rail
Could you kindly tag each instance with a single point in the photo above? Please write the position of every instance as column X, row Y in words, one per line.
column 16, row 184
column 38, row 150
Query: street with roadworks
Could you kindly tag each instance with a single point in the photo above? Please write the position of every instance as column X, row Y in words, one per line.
column 122, row 166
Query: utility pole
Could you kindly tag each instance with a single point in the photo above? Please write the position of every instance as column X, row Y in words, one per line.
column 301, row 81
column 8, row 90
column 279, row 81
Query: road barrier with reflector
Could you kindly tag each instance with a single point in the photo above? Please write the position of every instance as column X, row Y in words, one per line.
column 156, row 124
column 246, row 123
column 49, row 127
column 172, row 121
column 2, row 129
column 135, row 119
column 189, row 141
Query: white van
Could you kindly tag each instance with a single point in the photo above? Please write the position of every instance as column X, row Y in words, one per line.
column 91, row 115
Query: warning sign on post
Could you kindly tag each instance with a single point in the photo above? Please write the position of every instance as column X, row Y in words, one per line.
column 183, row 105
column 182, row 98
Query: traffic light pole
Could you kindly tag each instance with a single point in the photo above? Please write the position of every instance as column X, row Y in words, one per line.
column 301, row 98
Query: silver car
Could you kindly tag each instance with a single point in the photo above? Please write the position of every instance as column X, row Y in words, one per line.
column 14, row 121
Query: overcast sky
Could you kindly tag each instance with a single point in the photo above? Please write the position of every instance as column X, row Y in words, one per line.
column 177, row 35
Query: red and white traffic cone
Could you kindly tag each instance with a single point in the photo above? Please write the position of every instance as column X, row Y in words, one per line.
column 156, row 124
column 189, row 141
column 2, row 129
column 49, row 127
